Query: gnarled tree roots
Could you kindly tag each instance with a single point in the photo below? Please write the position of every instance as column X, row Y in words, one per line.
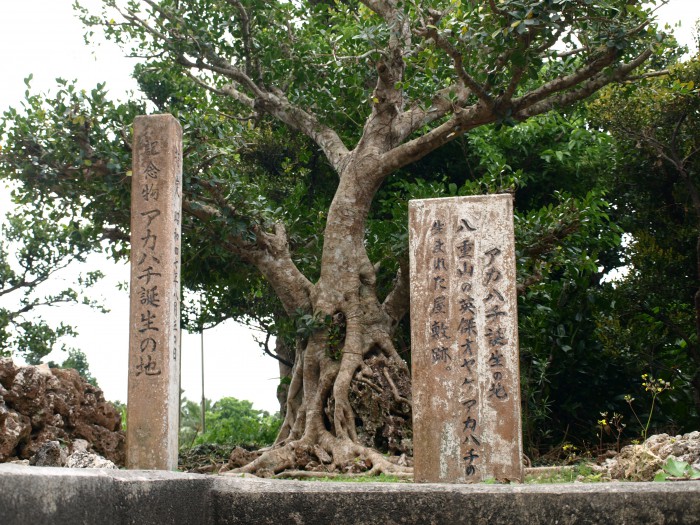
column 369, row 435
column 329, row 457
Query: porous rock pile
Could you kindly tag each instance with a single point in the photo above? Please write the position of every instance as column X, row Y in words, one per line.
column 39, row 405
column 643, row 462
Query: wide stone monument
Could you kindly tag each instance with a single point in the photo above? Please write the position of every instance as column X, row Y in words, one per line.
column 466, row 381
column 154, row 329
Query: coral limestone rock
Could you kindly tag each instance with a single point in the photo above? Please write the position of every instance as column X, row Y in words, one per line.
column 39, row 405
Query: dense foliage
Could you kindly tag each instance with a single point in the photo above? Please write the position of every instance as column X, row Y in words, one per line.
column 654, row 314
column 37, row 243
column 229, row 421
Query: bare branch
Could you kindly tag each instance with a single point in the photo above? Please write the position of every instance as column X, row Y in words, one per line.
column 217, row 64
column 227, row 90
column 674, row 136
column 21, row 284
column 327, row 139
column 465, row 119
column 380, row 128
column 36, row 304
column 132, row 17
column 514, row 83
column 275, row 103
column 270, row 101
column 689, row 155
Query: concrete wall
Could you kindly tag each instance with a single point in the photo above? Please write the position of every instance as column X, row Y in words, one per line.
column 43, row 495
column 238, row 501
column 51, row 495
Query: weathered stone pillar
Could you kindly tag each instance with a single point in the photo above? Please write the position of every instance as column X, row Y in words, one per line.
column 154, row 330
column 464, row 339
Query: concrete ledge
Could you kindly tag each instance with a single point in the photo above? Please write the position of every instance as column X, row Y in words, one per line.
column 36, row 495
column 240, row 501
column 48, row 495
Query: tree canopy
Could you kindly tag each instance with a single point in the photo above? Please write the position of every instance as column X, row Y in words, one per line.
column 655, row 188
column 35, row 245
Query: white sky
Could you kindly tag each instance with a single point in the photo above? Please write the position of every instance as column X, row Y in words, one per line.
column 44, row 38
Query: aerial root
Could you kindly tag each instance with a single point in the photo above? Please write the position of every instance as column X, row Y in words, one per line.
column 395, row 391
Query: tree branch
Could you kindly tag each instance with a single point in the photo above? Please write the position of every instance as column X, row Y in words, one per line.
column 461, row 121
column 383, row 8
column 650, row 74
column 252, row 68
column 266, row 349
column 227, row 90
column 274, row 103
column 21, row 284
column 603, row 78
column 456, row 57
column 115, row 234
column 412, row 120
column 270, row 101
column 380, row 133
column 565, row 82
column 269, row 254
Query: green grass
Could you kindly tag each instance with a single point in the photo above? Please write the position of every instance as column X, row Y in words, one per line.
column 580, row 472
column 382, row 478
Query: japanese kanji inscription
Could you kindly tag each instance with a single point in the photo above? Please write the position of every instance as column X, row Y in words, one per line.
column 154, row 338
column 464, row 338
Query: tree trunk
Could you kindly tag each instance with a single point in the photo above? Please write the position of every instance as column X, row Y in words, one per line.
column 350, row 390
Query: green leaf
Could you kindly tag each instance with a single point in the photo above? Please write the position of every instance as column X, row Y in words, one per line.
column 675, row 468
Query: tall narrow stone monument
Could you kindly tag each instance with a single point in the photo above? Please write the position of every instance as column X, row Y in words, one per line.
column 154, row 329
column 464, row 338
